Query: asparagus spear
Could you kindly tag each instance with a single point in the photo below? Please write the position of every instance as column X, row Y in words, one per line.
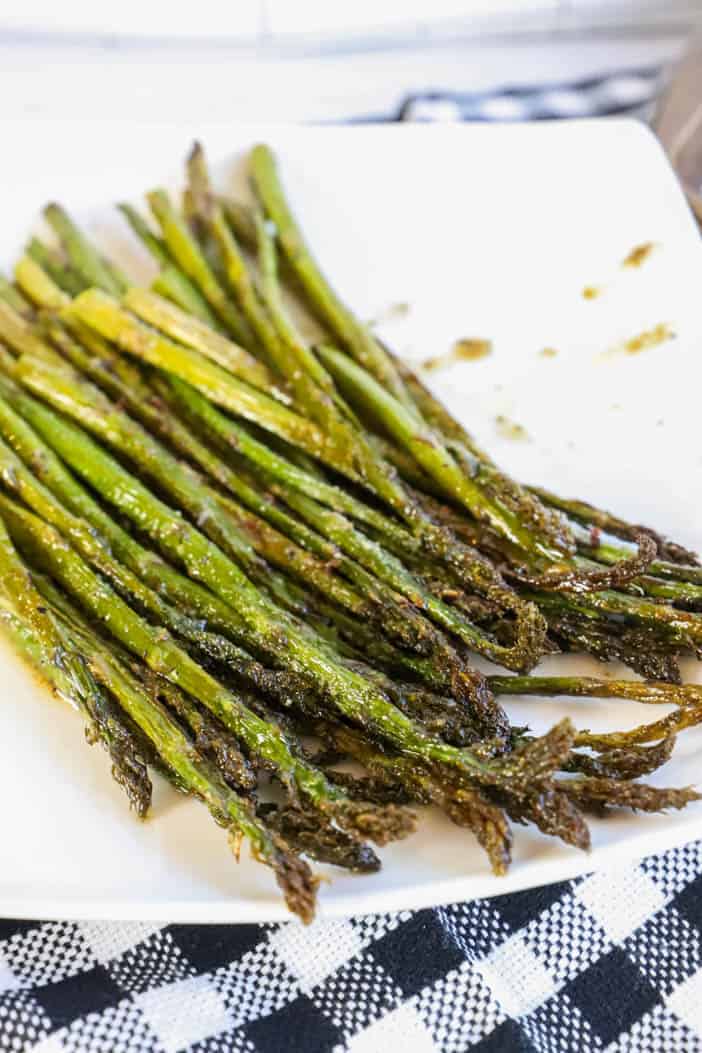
column 593, row 687
column 19, row 334
column 300, row 353
column 192, row 332
column 86, row 404
column 161, row 654
column 217, row 518
column 209, row 214
column 367, row 393
column 290, row 481
column 186, row 252
column 380, row 606
column 368, row 353
column 56, row 266
column 271, row 630
column 466, row 807
column 170, row 281
column 38, row 285
column 687, row 716
column 112, row 321
column 11, row 295
column 86, row 260
column 39, row 639
column 681, row 627
column 118, row 430
column 286, row 353
column 578, row 511
column 291, row 558
column 353, row 335
column 19, row 480
column 160, row 576
column 440, row 461
column 304, row 830
column 194, row 773
column 586, row 513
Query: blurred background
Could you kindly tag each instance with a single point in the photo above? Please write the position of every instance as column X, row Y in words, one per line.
column 329, row 59
column 354, row 60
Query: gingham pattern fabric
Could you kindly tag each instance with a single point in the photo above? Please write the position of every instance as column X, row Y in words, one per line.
column 632, row 93
column 610, row 963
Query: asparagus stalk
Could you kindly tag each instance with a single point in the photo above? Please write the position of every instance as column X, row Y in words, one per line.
column 271, row 631
column 286, row 353
column 195, row 600
column 289, row 557
column 192, row 332
column 287, row 333
column 353, row 335
column 379, row 606
column 38, row 286
column 644, row 691
column 585, row 513
column 56, row 266
column 366, row 393
column 17, row 479
column 305, row 830
column 16, row 332
column 196, row 775
column 161, row 654
column 578, row 512
column 469, row 566
column 465, row 806
column 38, row 639
column 383, row 566
column 186, row 252
column 86, row 260
column 209, row 214
column 170, row 281
column 238, row 532
column 11, row 295
column 114, row 323
column 681, row 627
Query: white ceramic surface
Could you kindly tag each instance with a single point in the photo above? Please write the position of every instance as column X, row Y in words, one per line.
column 485, row 232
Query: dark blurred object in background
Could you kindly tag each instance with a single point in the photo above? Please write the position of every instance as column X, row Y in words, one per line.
column 679, row 124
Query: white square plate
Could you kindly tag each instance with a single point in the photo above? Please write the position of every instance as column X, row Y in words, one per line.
column 485, row 232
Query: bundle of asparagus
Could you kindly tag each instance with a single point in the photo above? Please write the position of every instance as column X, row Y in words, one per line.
column 248, row 559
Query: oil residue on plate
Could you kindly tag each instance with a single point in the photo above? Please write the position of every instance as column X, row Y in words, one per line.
column 643, row 341
column 468, row 349
column 591, row 292
column 509, row 429
column 548, row 352
column 639, row 254
column 390, row 314
column 648, row 338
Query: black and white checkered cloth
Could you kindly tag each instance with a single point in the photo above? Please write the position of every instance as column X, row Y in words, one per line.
column 632, row 93
column 610, row 962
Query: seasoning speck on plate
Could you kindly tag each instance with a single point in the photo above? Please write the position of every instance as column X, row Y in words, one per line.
column 548, row 352
column 395, row 310
column 639, row 254
column 649, row 338
column 466, row 350
column 509, row 429
column 591, row 292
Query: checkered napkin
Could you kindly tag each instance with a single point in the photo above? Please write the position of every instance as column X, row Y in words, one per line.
column 632, row 93
column 610, row 962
